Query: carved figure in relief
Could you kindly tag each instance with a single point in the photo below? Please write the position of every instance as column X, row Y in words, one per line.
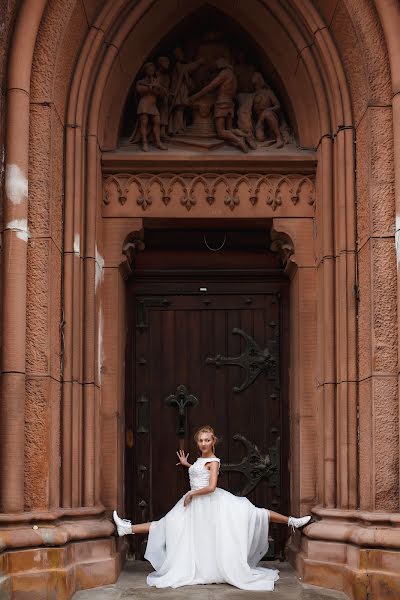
column 181, row 85
column 244, row 72
column 165, row 80
column 225, row 84
column 245, row 116
column 266, row 107
column 219, row 98
column 149, row 89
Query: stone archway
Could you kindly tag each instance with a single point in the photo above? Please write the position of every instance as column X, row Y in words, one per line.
column 82, row 360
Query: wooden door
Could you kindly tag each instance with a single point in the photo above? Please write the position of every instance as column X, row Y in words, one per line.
column 198, row 340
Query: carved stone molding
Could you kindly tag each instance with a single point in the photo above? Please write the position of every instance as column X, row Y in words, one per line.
column 146, row 191
column 132, row 245
column 283, row 245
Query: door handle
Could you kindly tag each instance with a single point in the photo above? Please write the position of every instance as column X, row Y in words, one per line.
column 182, row 400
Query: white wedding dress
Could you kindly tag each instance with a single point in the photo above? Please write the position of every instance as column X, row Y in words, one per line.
column 217, row 538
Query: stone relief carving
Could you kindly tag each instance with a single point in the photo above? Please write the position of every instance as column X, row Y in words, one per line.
column 283, row 245
column 189, row 189
column 212, row 99
column 149, row 111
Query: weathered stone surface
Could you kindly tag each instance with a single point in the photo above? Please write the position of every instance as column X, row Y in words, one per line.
column 40, row 170
column 68, row 50
column 44, row 308
column 45, row 173
column 60, row 36
column 381, row 144
column 57, row 572
column 384, row 318
column 345, row 34
column 375, row 174
column 37, row 444
column 386, row 443
column 378, row 438
column 56, row 178
column 38, row 308
column 361, row 45
column 373, row 50
column 365, row 311
column 377, row 322
column 362, row 182
column 55, row 314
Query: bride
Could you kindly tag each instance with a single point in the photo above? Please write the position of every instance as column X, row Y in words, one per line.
column 210, row 535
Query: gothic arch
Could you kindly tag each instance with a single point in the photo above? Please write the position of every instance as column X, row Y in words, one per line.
column 77, row 97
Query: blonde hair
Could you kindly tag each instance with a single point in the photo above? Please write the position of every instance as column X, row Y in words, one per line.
column 206, row 429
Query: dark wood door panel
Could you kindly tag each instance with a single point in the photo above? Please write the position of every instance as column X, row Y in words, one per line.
column 171, row 350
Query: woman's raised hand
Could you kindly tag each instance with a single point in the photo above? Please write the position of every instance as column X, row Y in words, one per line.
column 183, row 458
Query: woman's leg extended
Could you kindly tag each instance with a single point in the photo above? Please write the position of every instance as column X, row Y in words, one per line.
column 293, row 522
column 125, row 527
column 275, row 517
column 141, row 528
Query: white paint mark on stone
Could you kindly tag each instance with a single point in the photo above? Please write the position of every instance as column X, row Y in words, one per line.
column 100, row 344
column 21, row 227
column 99, row 274
column 397, row 239
column 16, row 184
column 77, row 243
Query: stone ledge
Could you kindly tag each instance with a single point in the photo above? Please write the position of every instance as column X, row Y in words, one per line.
column 48, row 573
column 286, row 160
column 363, row 561
column 55, row 534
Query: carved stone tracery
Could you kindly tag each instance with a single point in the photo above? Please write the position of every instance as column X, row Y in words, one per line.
column 145, row 190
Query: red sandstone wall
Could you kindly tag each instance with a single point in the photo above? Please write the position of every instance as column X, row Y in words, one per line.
column 360, row 40
column 8, row 10
column 358, row 35
column 63, row 29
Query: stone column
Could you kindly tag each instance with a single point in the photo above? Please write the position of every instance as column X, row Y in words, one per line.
column 15, row 242
column 118, row 261
column 293, row 239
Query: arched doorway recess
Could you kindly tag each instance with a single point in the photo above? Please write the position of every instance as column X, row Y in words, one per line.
column 88, row 238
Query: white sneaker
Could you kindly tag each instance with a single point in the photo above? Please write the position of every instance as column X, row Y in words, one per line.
column 299, row 523
column 124, row 526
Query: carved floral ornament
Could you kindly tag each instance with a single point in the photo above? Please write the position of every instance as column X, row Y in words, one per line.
column 145, row 190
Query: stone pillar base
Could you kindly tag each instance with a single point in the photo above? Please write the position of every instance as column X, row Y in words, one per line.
column 48, row 573
column 360, row 559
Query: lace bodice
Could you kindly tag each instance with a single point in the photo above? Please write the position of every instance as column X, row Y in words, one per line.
column 199, row 475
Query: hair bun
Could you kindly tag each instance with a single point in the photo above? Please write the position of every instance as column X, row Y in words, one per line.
column 206, row 429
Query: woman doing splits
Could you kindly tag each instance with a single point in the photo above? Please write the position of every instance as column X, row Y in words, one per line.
column 210, row 535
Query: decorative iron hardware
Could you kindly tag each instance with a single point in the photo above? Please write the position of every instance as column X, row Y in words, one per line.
column 255, row 466
column 142, row 470
column 142, row 414
column 253, row 360
column 141, row 309
column 182, row 400
column 143, row 509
